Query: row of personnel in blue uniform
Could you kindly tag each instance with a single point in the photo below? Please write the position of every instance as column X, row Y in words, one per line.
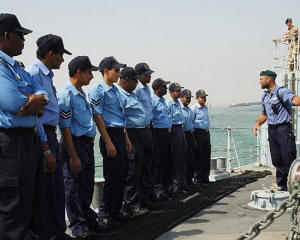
column 149, row 147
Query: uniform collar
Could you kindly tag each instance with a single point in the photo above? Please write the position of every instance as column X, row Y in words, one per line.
column 124, row 91
column 43, row 68
column 199, row 106
column 105, row 86
column 183, row 107
column 159, row 98
column 74, row 89
column 173, row 102
column 7, row 58
column 142, row 85
column 274, row 90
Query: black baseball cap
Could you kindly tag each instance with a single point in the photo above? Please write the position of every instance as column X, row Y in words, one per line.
column 10, row 23
column 186, row 93
column 201, row 93
column 109, row 63
column 52, row 42
column 175, row 87
column 288, row 20
column 159, row 82
column 143, row 69
column 81, row 63
column 128, row 72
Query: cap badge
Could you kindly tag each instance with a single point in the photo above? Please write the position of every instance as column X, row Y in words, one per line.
column 146, row 67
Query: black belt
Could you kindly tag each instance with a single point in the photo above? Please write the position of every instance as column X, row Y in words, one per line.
column 83, row 138
column 18, row 130
column 201, row 130
column 50, row 128
column 279, row 124
column 162, row 129
column 147, row 127
column 177, row 125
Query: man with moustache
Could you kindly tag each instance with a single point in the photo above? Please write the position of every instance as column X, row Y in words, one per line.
column 50, row 56
column 21, row 100
column 188, row 127
column 110, row 121
column 78, row 132
column 138, row 130
column 178, row 141
column 202, row 135
column 161, row 123
column 277, row 105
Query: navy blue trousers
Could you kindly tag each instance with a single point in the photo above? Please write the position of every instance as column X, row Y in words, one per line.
column 283, row 151
column 178, row 150
column 54, row 194
column 139, row 179
column 114, row 172
column 79, row 188
column 18, row 164
column 203, row 154
column 162, row 164
column 190, row 156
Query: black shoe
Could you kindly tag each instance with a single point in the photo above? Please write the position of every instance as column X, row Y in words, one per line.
column 139, row 211
column 108, row 223
column 124, row 214
column 82, row 235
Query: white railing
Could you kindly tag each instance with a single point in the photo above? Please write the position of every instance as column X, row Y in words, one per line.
column 262, row 155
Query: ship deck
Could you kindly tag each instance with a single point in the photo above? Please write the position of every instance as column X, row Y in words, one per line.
column 229, row 217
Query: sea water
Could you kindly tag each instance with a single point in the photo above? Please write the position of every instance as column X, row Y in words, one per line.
column 239, row 119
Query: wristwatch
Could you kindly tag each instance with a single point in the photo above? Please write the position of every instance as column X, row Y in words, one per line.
column 47, row 152
column 46, row 98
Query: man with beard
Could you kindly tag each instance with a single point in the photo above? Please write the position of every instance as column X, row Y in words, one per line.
column 21, row 99
column 50, row 56
column 277, row 105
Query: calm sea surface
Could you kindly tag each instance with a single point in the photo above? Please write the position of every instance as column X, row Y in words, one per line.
column 240, row 119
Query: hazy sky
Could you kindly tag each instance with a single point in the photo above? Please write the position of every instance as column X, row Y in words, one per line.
column 218, row 45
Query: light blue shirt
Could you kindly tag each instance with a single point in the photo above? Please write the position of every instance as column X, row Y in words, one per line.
column 144, row 95
column 15, row 84
column 176, row 112
column 201, row 117
column 40, row 73
column 135, row 113
column 105, row 100
column 75, row 112
column 269, row 99
column 161, row 114
column 188, row 116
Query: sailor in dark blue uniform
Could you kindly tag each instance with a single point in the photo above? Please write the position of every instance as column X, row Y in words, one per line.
column 178, row 141
column 50, row 56
column 162, row 123
column 143, row 93
column 21, row 100
column 188, row 115
column 110, row 120
column 202, row 136
column 138, row 130
column 78, row 133
column 277, row 105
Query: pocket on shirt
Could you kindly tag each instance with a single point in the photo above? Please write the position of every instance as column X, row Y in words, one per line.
column 25, row 87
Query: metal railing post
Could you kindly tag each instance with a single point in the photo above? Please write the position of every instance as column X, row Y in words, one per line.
column 229, row 159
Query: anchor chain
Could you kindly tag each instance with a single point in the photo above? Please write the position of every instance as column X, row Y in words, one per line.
column 294, row 234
